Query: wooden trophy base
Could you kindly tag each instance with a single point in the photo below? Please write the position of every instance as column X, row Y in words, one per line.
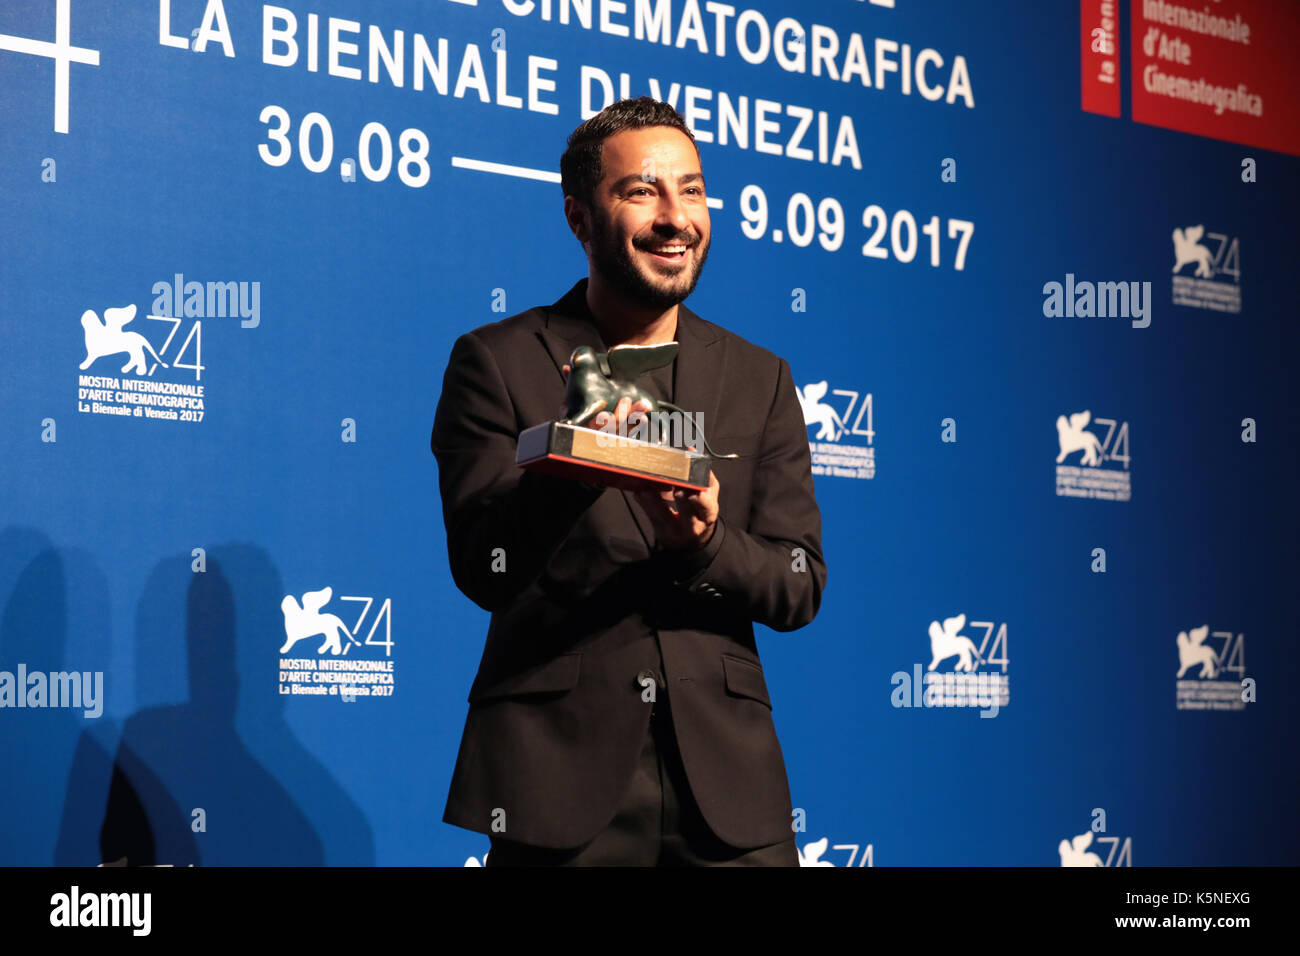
column 603, row 458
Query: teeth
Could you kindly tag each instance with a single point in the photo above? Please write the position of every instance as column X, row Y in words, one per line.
column 669, row 249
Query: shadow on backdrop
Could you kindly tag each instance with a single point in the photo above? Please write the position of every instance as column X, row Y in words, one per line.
column 219, row 779
column 55, row 619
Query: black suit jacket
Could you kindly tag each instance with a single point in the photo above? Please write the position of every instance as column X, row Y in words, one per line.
column 578, row 588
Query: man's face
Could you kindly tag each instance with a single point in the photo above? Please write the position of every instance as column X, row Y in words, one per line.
column 650, row 197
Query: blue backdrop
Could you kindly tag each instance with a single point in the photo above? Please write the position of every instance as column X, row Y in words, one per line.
column 296, row 298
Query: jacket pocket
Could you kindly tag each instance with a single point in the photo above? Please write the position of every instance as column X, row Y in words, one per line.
column 556, row 676
column 745, row 679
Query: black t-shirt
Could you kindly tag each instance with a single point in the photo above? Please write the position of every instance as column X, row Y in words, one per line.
column 659, row 381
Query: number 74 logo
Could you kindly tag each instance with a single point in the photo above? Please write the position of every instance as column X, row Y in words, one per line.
column 195, row 335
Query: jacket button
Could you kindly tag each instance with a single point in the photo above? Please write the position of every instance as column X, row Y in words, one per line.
column 643, row 678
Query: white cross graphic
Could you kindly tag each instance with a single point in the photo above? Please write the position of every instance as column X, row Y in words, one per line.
column 62, row 52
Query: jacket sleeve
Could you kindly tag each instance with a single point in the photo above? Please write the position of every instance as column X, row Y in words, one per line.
column 489, row 502
column 773, row 568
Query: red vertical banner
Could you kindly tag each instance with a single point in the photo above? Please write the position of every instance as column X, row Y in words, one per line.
column 1099, row 43
column 1222, row 70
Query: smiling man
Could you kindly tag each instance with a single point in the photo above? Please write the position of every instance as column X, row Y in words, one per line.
column 620, row 714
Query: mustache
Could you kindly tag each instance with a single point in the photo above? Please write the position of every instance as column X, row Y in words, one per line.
column 688, row 240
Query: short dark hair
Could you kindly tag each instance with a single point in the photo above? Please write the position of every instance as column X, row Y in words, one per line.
column 580, row 170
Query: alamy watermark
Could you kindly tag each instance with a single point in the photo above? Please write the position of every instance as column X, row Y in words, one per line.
column 672, row 428
column 72, row 689
column 179, row 299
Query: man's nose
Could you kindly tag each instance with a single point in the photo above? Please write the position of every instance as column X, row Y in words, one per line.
column 672, row 212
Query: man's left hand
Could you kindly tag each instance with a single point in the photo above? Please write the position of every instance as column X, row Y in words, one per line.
column 683, row 519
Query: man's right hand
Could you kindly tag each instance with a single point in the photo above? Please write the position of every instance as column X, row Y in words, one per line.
column 603, row 421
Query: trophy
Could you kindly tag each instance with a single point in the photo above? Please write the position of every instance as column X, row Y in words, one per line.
column 597, row 382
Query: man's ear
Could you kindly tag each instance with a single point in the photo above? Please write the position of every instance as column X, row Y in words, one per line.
column 578, row 217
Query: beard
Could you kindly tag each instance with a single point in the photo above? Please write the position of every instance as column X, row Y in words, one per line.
column 615, row 264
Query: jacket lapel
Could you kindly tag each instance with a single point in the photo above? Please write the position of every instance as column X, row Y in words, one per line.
column 701, row 368
column 568, row 325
